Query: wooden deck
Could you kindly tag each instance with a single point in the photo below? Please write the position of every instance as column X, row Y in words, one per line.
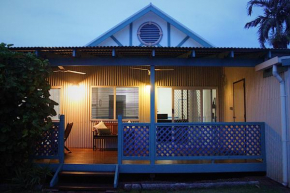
column 86, row 156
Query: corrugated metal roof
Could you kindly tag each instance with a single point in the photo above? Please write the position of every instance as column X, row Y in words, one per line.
column 142, row 51
column 146, row 47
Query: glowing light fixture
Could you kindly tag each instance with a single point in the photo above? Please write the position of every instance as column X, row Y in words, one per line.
column 76, row 92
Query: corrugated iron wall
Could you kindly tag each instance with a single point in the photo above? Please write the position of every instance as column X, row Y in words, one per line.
column 287, row 85
column 262, row 104
column 76, row 100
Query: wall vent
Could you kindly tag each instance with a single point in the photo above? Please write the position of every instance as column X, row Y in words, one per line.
column 149, row 33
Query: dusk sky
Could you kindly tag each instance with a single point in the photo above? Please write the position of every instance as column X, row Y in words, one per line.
column 77, row 22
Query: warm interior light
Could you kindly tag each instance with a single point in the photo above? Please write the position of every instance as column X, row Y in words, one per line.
column 76, row 92
column 148, row 86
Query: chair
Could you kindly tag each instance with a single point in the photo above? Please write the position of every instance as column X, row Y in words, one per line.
column 66, row 134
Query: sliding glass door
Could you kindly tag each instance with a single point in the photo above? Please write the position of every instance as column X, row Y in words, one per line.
column 186, row 105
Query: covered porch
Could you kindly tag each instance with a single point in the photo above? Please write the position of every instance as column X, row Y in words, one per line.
column 193, row 140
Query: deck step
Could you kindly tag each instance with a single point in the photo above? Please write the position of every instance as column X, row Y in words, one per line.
column 85, row 181
column 84, row 187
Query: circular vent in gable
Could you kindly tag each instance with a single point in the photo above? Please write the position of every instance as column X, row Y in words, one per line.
column 149, row 33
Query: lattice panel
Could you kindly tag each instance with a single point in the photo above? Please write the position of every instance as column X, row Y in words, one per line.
column 48, row 145
column 232, row 140
column 208, row 140
column 180, row 106
column 194, row 106
column 136, row 141
column 253, row 140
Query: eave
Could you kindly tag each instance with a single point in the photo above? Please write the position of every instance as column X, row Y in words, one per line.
column 159, row 56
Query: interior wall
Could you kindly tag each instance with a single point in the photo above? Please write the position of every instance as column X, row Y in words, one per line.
column 76, row 91
column 262, row 105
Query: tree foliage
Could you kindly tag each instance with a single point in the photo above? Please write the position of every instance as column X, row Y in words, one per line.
column 274, row 24
column 25, row 107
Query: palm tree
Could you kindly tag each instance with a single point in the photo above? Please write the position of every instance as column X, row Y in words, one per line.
column 274, row 24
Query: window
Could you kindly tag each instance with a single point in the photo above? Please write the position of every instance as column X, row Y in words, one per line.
column 186, row 105
column 109, row 102
column 55, row 95
column 103, row 103
column 127, row 102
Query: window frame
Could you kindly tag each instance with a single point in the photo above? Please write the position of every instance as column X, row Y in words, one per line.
column 60, row 101
column 115, row 100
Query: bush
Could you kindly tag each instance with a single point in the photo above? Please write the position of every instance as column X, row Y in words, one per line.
column 25, row 108
column 31, row 175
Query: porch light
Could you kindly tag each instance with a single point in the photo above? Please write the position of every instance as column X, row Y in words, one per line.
column 148, row 87
column 76, row 91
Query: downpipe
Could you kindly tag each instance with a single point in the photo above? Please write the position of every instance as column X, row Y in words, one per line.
column 284, row 124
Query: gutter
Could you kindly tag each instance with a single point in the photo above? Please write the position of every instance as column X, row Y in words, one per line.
column 284, row 124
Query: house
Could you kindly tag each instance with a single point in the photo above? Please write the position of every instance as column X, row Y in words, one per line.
column 193, row 107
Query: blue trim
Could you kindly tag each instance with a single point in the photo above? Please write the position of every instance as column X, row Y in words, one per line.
column 120, row 139
column 193, row 54
column 135, row 158
column 224, row 62
column 183, row 41
column 141, row 13
column 74, row 53
column 193, row 168
column 232, row 54
column 180, row 27
column 263, row 141
column 114, row 52
column 152, row 132
column 158, row 45
column 116, row 178
column 153, row 53
column 61, row 139
column 131, row 34
column 168, row 34
column 285, row 62
column 54, row 180
column 162, row 168
column 211, row 123
column 209, row 157
column 269, row 55
column 141, row 44
column 115, row 40
column 135, row 124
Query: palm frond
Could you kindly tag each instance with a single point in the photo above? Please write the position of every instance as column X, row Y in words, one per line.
column 258, row 3
column 274, row 23
column 255, row 22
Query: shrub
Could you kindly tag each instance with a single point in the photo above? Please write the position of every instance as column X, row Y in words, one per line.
column 25, row 108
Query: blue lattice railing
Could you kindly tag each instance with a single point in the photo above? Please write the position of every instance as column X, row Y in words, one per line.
column 191, row 141
column 136, row 140
column 215, row 140
column 51, row 145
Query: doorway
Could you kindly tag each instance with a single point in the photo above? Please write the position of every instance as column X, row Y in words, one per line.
column 239, row 93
